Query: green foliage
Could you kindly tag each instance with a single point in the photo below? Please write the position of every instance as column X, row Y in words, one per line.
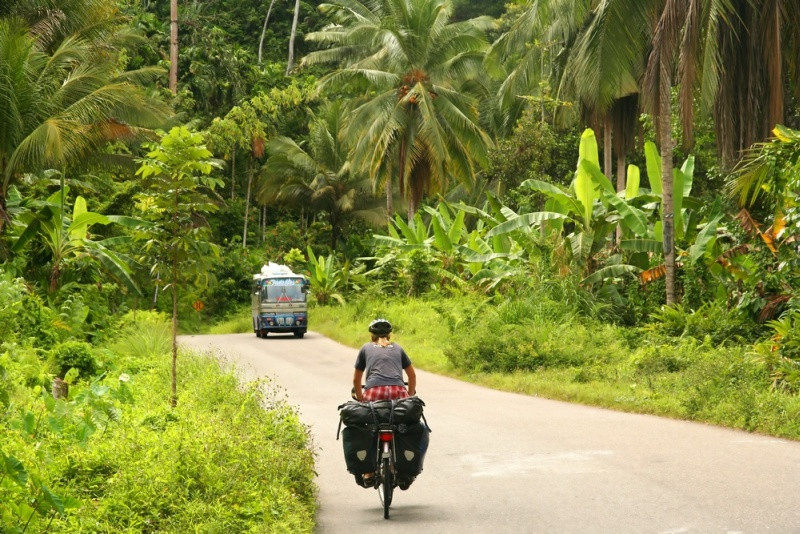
column 325, row 277
column 69, row 241
column 73, row 355
column 113, row 458
column 537, row 151
column 781, row 353
column 712, row 320
column 231, row 280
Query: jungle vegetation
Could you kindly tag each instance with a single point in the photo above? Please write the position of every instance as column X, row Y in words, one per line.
column 629, row 169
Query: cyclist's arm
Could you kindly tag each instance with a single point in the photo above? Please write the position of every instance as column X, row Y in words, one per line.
column 357, row 374
column 412, row 380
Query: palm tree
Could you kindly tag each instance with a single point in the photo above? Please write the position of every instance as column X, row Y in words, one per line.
column 58, row 107
column 594, row 57
column 173, row 46
column 759, row 51
column 421, row 78
column 319, row 175
column 290, row 62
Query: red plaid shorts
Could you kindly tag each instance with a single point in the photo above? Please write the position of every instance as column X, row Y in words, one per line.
column 385, row 393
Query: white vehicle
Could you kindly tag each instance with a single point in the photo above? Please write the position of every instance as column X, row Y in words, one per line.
column 279, row 301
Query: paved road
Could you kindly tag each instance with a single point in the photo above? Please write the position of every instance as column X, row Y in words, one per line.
column 505, row 463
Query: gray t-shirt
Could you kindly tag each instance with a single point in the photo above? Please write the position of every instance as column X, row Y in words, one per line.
column 383, row 366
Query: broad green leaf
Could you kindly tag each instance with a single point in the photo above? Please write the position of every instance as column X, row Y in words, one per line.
column 441, row 241
column 581, row 245
column 471, row 256
column 611, row 271
column 642, row 245
column 705, row 237
column 633, row 219
column 457, row 229
column 53, row 501
column 130, row 222
column 677, row 201
column 601, row 182
column 653, row 160
column 79, row 208
column 632, row 182
column 554, row 192
column 584, row 186
column 14, row 469
column 688, row 175
column 524, row 222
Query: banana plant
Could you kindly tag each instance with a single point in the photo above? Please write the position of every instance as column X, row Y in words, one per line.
column 586, row 214
column 68, row 237
column 326, row 278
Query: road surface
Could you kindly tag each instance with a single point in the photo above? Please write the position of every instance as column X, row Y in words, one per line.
column 506, row 463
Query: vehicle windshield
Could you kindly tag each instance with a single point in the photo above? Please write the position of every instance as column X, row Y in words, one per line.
column 283, row 290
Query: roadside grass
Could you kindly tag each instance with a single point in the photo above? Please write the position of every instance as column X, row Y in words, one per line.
column 117, row 458
column 239, row 324
column 575, row 359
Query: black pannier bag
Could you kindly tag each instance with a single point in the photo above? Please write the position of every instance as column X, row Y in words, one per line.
column 360, row 446
column 411, row 444
column 408, row 410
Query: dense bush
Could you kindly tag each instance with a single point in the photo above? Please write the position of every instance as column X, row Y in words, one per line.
column 492, row 345
column 73, row 355
column 115, row 458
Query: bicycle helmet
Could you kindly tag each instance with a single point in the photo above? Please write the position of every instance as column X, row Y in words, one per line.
column 380, row 327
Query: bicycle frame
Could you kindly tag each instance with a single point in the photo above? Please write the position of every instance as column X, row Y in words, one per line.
column 386, row 470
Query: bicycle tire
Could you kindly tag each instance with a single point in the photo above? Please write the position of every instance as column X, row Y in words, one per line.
column 388, row 486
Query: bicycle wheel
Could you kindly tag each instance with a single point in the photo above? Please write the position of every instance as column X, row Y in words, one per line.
column 387, row 480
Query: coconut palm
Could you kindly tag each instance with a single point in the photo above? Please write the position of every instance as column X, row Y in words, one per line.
column 59, row 107
column 421, row 78
column 318, row 175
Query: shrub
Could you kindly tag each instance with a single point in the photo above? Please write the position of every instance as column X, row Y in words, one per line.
column 73, row 355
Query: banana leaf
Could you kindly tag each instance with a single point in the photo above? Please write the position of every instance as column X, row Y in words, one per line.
column 611, row 271
column 634, row 219
column 525, row 221
column 706, row 235
column 632, row 182
column 653, row 160
column 584, row 185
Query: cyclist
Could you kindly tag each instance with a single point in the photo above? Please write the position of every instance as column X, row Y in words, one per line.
column 383, row 362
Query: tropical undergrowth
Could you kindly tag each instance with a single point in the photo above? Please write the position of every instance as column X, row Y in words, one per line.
column 114, row 457
column 689, row 368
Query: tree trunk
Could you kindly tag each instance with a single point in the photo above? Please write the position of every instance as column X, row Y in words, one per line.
column 389, row 203
column 174, row 397
column 59, row 389
column 233, row 174
column 290, row 64
column 668, row 219
column 607, row 145
column 247, row 203
column 173, row 46
column 264, row 31
column 4, row 218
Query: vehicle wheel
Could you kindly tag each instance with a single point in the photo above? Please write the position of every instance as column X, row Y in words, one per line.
column 257, row 328
column 264, row 334
column 388, row 487
column 299, row 335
